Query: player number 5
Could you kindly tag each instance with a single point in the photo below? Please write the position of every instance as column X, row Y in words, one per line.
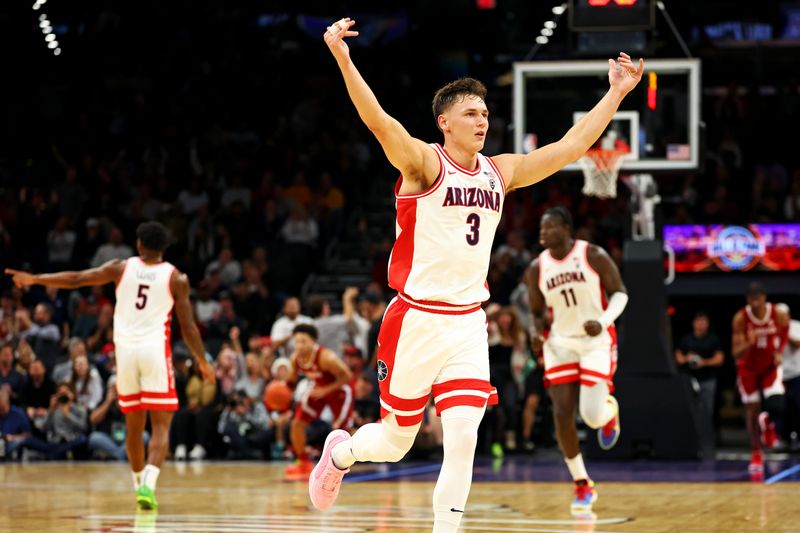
column 474, row 220
column 141, row 297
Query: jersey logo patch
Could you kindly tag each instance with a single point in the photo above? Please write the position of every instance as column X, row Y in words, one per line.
column 383, row 370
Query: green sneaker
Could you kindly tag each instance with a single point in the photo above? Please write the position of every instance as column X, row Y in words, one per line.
column 146, row 498
column 497, row 450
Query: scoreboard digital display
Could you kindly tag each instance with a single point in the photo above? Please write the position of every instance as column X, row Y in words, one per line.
column 611, row 15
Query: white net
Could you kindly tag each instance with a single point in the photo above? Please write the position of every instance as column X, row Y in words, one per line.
column 600, row 170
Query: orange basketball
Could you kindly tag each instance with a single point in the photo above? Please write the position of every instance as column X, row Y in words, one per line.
column 278, row 396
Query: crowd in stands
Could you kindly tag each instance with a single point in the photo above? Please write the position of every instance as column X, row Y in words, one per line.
column 258, row 172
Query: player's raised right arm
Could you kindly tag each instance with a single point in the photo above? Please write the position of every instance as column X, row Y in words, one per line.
column 415, row 159
column 179, row 285
column 108, row 272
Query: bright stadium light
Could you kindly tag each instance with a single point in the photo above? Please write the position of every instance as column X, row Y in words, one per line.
column 57, row 52
column 559, row 10
column 547, row 32
column 42, row 17
column 542, row 39
column 44, row 24
column 47, row 30
column 52, row 44
column 50, row 37
column 550, row 25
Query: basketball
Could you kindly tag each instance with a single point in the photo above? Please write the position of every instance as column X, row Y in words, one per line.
column 278, row 396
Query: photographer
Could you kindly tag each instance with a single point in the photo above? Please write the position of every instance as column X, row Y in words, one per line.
column 67, row 423
column 700, row 354
column 246, row 428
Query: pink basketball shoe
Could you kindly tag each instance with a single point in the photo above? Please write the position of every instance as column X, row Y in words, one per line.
column 326, row 479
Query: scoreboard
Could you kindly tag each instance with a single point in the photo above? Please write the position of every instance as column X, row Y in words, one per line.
column 611, row 15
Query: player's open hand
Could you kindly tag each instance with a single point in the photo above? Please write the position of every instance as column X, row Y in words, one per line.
column 623, row 74
column 335, row 34
column 20, row 279
column 206, row 371
column 593, row 328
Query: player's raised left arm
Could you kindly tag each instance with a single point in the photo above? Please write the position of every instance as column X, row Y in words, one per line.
column 523, row 170
column 612, row 283
column 106, row 273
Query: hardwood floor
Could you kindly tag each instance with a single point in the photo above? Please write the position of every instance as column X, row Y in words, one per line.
column 243, row 497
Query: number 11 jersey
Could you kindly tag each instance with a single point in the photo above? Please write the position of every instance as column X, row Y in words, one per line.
column 143, row 311
column 573, row 293
column 445, row 234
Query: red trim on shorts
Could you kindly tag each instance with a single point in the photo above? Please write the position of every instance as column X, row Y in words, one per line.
column 561, row 368
column 402, row 257
column 572, row 378
column 595, row 374
column 481, row 385
column 406, row 421
column 129, row 397
column 461, row 384
column 419, row 305
column 456, row 401
column 159, row 406
column 159, row 395
column 388, row 337
column 404, row 404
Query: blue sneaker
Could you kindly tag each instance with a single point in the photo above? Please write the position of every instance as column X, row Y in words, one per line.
column 608, row 435
column 585, row 496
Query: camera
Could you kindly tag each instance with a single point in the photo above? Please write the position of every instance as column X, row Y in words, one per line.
column 63, row 398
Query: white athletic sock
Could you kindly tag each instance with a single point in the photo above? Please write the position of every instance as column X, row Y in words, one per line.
column 137, row 479
column 150, row 476
column 576, row 467
column 342, row 455
column 460, row 427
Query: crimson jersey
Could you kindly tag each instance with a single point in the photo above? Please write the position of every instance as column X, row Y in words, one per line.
column 761, row 356
column 312, row 370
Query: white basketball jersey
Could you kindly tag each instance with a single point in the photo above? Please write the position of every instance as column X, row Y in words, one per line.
column 143, row 311
column 573, row 293
column 445, row 234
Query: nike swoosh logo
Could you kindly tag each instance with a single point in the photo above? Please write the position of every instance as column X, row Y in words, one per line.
column 454, row 510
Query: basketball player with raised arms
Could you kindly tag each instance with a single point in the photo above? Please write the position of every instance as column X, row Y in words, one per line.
column 147, row 290
column 580, row 287
column 760, row 334
column 433, row 337
column 331, row 388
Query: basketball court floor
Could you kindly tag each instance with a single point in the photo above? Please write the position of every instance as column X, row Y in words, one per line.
column 518, row 494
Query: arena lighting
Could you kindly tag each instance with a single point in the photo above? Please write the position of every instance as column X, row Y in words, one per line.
column 39, row 3
column 542, row 39
column 50, row 37
column 559, row 10
column 44, row 24
column 42, row 17
column 47, row 29
column 547, row 32
column 52, row 44
column 57, row 52
column 550, row 25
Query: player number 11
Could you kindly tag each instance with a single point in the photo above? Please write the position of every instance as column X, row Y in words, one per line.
column 566, row 293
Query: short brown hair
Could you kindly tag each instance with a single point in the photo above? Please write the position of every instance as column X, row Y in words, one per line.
column 456, row 91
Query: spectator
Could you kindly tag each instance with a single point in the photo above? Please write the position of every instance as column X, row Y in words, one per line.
column 66, row 424
column 9, row 376
column 115, row 248
column 236, row 192
column 700, row 354
column 229, row 268
column 300, row 228
column 336, row 331
column 63, row 370
column 298, row 194
column 366, row 408
column 36, row 395
column 86, row 383
column 108, row 426
column 221, row 326
column 60, row 245
column 14, row 426
column 230, row 369
column 41, row 333
column 281, row 333
column 252, row 383
column 246, row 428
column 192, row 198
column 281, row 371
column 103, row 333
column 205, row 307
column 89, row 241
column 194, row 423
column 791, row 379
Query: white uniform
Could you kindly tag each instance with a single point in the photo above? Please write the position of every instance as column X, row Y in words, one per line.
column 142, row 326
column 433, row 335
column 574, row 294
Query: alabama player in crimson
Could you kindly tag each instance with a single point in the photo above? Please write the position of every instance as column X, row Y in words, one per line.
column 571, row 280
column 760, row 333
column 331, row 387
column 433, row 337
column 147, row 290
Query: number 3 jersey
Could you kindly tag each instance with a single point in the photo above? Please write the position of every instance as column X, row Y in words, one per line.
column 143, row 311
column 573, row 294
column 445, row 234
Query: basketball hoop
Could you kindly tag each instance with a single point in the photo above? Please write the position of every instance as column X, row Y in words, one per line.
column 600, row 169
